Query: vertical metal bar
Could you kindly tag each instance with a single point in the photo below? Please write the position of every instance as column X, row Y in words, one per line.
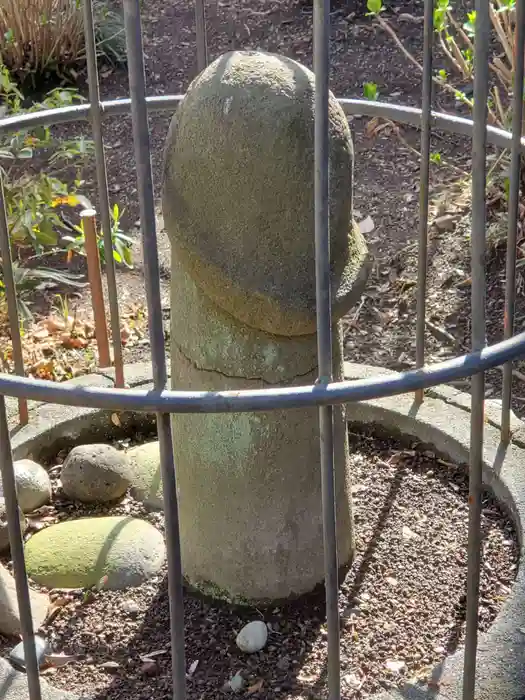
column 103, row 196
column 424, row 187
column 17, row 555
column 12, row 305
column 479, row 145
column 324, row 333
column 151, row 269
column 514, row 194
column 200, row 30
column 89, row 226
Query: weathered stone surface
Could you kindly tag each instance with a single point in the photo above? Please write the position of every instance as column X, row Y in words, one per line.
column 250, row 488
column 80, row 553
column 4, row 534
column 9, row 613
column 244, row 135
column 243, row 317
column 33, row 486
column 214, row 340
column 95, row 473
column 146, row 480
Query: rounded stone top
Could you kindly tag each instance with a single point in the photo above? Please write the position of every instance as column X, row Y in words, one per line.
column 238, row 194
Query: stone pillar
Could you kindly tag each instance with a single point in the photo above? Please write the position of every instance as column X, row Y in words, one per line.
column 238, row 205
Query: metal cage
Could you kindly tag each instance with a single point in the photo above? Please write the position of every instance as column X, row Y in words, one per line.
column 324, row 394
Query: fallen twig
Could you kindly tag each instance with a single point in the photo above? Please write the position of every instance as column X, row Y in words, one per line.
column 441, row 334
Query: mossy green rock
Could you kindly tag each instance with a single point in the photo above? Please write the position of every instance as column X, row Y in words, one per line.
column 238, row 194
column 81, row 553
column 146, row 480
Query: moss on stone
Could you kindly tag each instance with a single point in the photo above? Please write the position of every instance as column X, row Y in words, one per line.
column 145, row 474
column 81, row 553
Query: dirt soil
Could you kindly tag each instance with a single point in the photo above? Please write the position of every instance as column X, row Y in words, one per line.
column 402, row 603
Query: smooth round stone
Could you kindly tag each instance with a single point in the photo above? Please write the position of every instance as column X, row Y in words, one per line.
column 82, row 553
column 4, row 534
column 146, row 481
column 33, row 486
column 252, row 637
column 95, row 474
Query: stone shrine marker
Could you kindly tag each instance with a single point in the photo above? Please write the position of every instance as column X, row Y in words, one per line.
column 238, row 205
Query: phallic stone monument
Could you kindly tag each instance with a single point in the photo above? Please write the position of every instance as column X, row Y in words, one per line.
column 238, row 205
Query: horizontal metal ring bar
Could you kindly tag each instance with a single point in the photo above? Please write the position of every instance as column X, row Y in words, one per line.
column 399, row 113
column 264, row 399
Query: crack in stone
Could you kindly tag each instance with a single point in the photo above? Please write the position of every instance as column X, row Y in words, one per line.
column 235, row 376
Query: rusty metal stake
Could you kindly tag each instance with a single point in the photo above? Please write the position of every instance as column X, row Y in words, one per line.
column 95, row 282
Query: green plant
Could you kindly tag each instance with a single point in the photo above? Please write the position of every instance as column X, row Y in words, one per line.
column 121, row 243
column 456, row 40
column 28, row 280
column 42, row 37
column 35, row 201
column 370, row 91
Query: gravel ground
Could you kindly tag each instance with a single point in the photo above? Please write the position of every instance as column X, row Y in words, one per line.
column 402, row 602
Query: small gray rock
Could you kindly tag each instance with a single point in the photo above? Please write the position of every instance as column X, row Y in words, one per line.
column 9, row 613
column 4, row 534
column 447, row 222
column 95, row 474
column 252, row 637
column 235, row 683
column 17, row 655
column 130, row 607
column 33, row 486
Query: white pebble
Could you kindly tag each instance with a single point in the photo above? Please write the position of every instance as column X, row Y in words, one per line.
column 252, row 637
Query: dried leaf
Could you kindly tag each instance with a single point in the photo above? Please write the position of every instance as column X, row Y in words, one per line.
column 40, row 334
column 55, row 607
column 256, row 687
column 39, row 523
column 116, row 420
column 54, row 324
column 371, row 127
column 152, row 654
column 367, row 225
column 110, row 666
column 74, row 342
column 353, row 681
